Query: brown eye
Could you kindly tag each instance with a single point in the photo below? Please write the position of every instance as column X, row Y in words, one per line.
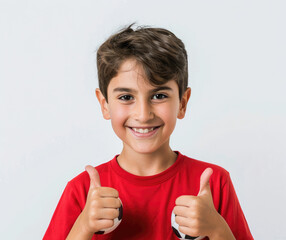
column 159, row 96
column 126, row 97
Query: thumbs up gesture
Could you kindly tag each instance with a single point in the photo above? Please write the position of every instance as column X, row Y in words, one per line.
column 101, row 205
column 196, row 215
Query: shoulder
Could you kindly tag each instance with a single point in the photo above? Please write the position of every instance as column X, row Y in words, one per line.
column 196, row 168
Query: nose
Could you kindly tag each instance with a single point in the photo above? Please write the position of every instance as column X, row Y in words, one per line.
column 143, row 111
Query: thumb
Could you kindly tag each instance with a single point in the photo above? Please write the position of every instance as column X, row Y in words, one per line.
column 94, row 176
column 205, row 182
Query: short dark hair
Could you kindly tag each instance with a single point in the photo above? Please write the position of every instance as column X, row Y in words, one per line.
column 162, row 55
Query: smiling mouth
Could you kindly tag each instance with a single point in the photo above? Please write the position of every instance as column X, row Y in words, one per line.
column 143, row 130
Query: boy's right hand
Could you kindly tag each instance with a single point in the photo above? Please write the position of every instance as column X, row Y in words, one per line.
column 101, row 205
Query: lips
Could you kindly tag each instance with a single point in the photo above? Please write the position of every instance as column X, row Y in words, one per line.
column 144, row 131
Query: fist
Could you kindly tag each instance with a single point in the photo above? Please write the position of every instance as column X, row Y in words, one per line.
column 196, row 215
column 103, row 210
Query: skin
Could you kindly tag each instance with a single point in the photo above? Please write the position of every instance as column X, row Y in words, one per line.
column 138, row 106
column 100, row 209
column 134, row 102
column 197, row 216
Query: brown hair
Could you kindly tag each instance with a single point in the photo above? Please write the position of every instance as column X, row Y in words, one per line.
column 162, row 55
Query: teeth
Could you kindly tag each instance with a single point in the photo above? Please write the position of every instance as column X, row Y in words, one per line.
column 140, row 130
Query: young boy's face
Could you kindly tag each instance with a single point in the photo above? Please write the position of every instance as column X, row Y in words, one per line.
column 143, row 116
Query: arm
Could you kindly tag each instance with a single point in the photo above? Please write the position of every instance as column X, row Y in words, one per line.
column 222, row 231
column 78, row 231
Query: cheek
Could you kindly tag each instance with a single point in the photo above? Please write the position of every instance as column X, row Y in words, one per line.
column 169, row 114
column 118, row 115
column 117, row 112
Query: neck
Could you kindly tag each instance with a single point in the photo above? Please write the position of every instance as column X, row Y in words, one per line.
column 146, row 164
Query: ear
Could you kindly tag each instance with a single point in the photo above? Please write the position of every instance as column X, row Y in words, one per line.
column 183, row 103
column 103, row 104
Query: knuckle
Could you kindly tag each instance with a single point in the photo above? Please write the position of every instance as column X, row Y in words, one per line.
column 111, row 191
column 93, row 215
column 195, row 204
column 195, row 214
column 97, row 191
column 95, row 204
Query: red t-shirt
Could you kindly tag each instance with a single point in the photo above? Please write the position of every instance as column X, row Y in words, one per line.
column 148, row 201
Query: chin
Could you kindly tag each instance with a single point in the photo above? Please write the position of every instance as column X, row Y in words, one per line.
column 146, row 149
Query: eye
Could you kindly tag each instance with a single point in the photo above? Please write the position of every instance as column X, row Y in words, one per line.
column 126, row 98
column 159, row 96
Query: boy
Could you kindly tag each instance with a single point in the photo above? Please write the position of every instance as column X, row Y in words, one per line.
column 143, row 89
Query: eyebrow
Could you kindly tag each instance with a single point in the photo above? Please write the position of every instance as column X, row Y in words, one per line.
column 131, row 90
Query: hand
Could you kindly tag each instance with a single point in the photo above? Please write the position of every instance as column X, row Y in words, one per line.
column 196, row 215
column 101, row 205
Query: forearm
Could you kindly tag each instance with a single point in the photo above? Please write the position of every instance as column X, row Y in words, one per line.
column 222, row 231
column 78, row 231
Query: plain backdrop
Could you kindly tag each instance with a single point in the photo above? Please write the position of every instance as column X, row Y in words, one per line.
column 51, row 124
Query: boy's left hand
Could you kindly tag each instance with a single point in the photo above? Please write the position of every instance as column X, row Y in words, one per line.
column 196, row 215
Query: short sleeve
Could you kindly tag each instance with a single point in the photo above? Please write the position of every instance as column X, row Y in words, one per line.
column 66, row 213
column 231, row 211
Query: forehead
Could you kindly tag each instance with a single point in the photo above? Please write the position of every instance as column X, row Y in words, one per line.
column 131, row 74
column 130, row 65
column 131, row 71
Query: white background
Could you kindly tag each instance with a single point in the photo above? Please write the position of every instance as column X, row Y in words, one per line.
column 51, row 125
